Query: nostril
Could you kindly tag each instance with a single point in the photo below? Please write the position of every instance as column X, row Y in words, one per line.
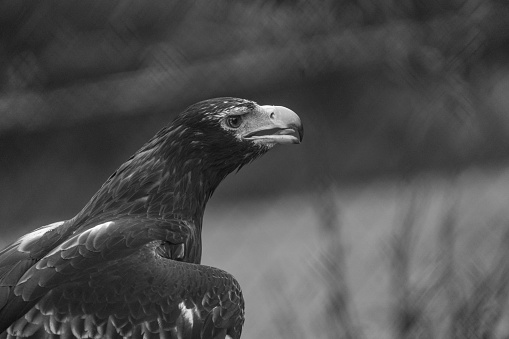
column 272, row 115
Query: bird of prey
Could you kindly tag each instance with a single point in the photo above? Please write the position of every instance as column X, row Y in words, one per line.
column 128, row 264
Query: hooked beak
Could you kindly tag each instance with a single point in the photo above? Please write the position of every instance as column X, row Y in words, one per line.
column 279, row 125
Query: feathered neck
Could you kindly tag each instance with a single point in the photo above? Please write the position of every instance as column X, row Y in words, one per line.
column 172, row 176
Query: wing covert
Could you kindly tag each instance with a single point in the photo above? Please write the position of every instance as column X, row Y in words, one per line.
column 141, row 294
column 26, row 281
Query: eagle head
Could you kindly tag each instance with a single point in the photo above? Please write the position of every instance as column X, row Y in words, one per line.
column 245, row 121
column 177, row 170
column 226, row 133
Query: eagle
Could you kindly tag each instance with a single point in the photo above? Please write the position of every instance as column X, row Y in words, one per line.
column 128, row 264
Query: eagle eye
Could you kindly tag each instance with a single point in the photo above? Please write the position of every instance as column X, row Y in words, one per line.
column 234, row 121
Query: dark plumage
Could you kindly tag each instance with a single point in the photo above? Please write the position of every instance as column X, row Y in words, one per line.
column 128, row 264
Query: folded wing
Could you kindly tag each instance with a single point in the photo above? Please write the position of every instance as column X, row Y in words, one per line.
column 117, row 278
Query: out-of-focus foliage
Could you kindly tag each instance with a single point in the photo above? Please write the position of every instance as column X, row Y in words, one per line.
column 384, row 88
column 67, row 61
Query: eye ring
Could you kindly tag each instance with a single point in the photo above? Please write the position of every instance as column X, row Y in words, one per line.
column 234, row 121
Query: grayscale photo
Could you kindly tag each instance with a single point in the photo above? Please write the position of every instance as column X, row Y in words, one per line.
column 283, row 169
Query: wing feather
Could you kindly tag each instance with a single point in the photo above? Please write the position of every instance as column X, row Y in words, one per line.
column 18, row 257
column 114, row 278
column 42, row 259
column 152, row 297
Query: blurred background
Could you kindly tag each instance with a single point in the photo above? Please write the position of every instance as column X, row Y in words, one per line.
column 389, row 221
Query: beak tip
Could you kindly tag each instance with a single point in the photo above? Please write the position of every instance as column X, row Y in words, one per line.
column 291, row 119
column 299, row 133
column 285, row 119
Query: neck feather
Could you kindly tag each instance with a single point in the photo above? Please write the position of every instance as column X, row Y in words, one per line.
column 165, row 179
